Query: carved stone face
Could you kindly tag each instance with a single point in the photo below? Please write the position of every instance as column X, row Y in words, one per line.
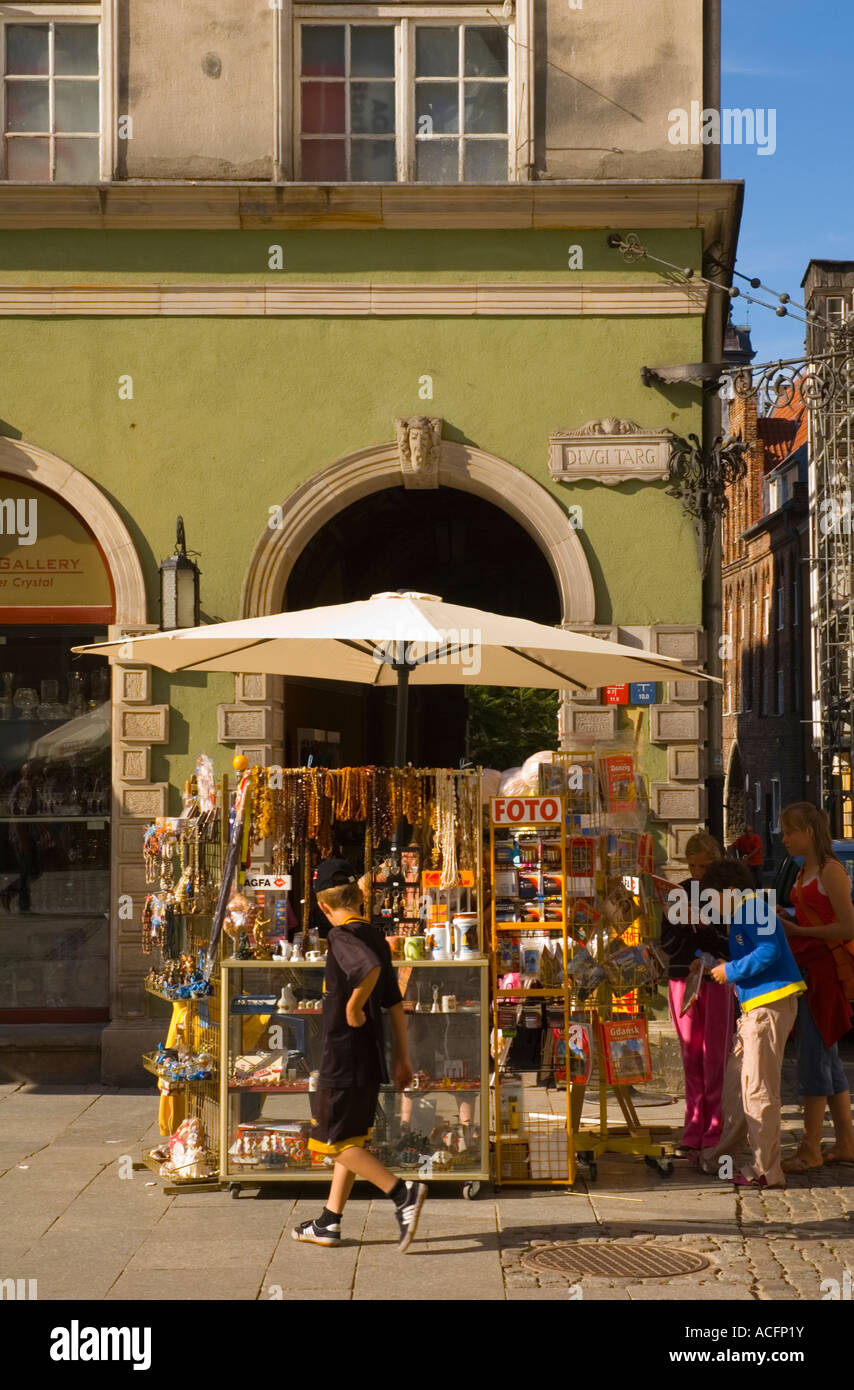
column 419, row 442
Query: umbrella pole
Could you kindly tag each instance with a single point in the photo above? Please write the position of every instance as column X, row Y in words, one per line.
column 400, row 725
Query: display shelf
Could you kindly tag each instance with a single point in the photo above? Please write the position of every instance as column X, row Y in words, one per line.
column 177, row 1184
column 149, row 1064
column 544, row 863
column 452, row 1110
column 291, row 1088
column 74, row 816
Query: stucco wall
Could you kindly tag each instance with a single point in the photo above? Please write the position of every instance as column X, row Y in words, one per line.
column 198, row 81
column 615, row 69
column 229, row 415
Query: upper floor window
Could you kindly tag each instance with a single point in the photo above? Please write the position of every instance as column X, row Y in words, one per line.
column 409, row 100
column 51, row 102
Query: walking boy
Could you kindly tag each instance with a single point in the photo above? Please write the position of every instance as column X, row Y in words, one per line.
column 767, row 982
column 360, row 983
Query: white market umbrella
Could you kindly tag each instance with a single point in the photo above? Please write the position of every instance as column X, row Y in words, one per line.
column 85, row 734
column 400, row 639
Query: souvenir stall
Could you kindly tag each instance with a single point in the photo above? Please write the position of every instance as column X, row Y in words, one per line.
column 183, row 869
column 416, row 833
column 574, row 959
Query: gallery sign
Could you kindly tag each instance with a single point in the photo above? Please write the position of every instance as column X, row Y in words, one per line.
column 610, row 451
column 51, row 567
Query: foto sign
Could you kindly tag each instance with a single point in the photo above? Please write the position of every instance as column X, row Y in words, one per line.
column 268, row 883
column 527, row 810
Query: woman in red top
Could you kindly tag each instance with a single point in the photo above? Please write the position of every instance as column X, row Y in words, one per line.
column 824, row 914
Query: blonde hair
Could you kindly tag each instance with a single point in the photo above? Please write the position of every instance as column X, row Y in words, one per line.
column 345, row 895
column 802, row 815
column 703, row 843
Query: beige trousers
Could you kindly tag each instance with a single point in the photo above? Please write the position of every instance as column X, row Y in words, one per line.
column 751, row 1097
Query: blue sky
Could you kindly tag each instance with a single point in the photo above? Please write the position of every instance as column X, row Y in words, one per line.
column 797, row 58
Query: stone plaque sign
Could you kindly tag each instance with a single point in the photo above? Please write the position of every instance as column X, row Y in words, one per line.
column 610, row 451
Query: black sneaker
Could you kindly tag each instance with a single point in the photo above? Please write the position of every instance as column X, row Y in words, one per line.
column 408, row 1213
column 318, row 1235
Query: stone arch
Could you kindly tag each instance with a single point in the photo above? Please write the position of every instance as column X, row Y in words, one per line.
column 136, row 724
column 35, row 465
column 468, row 469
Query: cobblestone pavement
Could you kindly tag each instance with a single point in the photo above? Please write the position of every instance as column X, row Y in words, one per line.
column 70, row 1222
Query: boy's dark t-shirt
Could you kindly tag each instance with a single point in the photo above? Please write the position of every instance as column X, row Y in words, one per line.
column 355, row 1056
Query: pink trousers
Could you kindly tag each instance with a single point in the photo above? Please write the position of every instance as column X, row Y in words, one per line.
column 705, row 1036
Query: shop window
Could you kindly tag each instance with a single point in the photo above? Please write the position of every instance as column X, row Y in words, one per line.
column 55, row 793
column 776, row 805
column 410, row 100
column 51, row 100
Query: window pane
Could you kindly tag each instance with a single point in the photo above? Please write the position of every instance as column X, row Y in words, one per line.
column 324, row 161
column 372, row 108
column 28, row 160
column 323, row 108
column 436, row 161
column 77, row 161
column 437, row 52
column 323, row 50
column 485, row 107
column 485, row 161
column 27, row 106
column 371, row 51
column 486, row 52
column 75, row 50
column 437, row 108
column 27, row 48
column 76, row 105
column 373, row 161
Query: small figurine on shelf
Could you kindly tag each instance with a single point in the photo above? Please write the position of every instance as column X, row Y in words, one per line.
column 435, row 1009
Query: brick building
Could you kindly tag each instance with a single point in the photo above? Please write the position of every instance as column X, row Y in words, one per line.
column 767, row 749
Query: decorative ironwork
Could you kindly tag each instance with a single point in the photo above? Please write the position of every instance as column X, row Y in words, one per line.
column 700, row 479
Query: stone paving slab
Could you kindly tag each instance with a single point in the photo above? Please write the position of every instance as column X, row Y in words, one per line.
column 69, row 1219
column 224, row 1285
column 167, row 1252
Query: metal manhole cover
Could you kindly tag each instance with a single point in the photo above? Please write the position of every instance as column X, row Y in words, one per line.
column 614, row 1261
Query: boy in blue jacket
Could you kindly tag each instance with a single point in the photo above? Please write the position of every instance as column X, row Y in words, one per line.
column 767, row 982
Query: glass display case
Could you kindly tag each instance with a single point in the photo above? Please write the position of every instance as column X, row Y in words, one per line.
column 271, row 1038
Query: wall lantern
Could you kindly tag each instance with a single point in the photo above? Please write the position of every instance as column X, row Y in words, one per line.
column 179, row 587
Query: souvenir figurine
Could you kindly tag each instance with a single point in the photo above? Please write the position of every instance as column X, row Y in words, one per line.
column 435, row 1009
column 237, row 915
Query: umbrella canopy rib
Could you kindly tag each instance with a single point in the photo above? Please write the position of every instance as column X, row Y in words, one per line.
column 364, row 649
column 232, row 651
column 564, row 679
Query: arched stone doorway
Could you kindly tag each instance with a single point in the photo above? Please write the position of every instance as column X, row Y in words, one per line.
column 135, row 725
column 257, row 722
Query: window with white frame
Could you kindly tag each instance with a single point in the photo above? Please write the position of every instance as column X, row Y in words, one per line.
column 781, row 690
column 406, row 97
column 776, row 805
column 835, row 309
column 51, row 94
column 781, row 606
column 766, row 615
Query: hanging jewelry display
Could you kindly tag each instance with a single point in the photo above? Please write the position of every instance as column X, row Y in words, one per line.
column 446, row 827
